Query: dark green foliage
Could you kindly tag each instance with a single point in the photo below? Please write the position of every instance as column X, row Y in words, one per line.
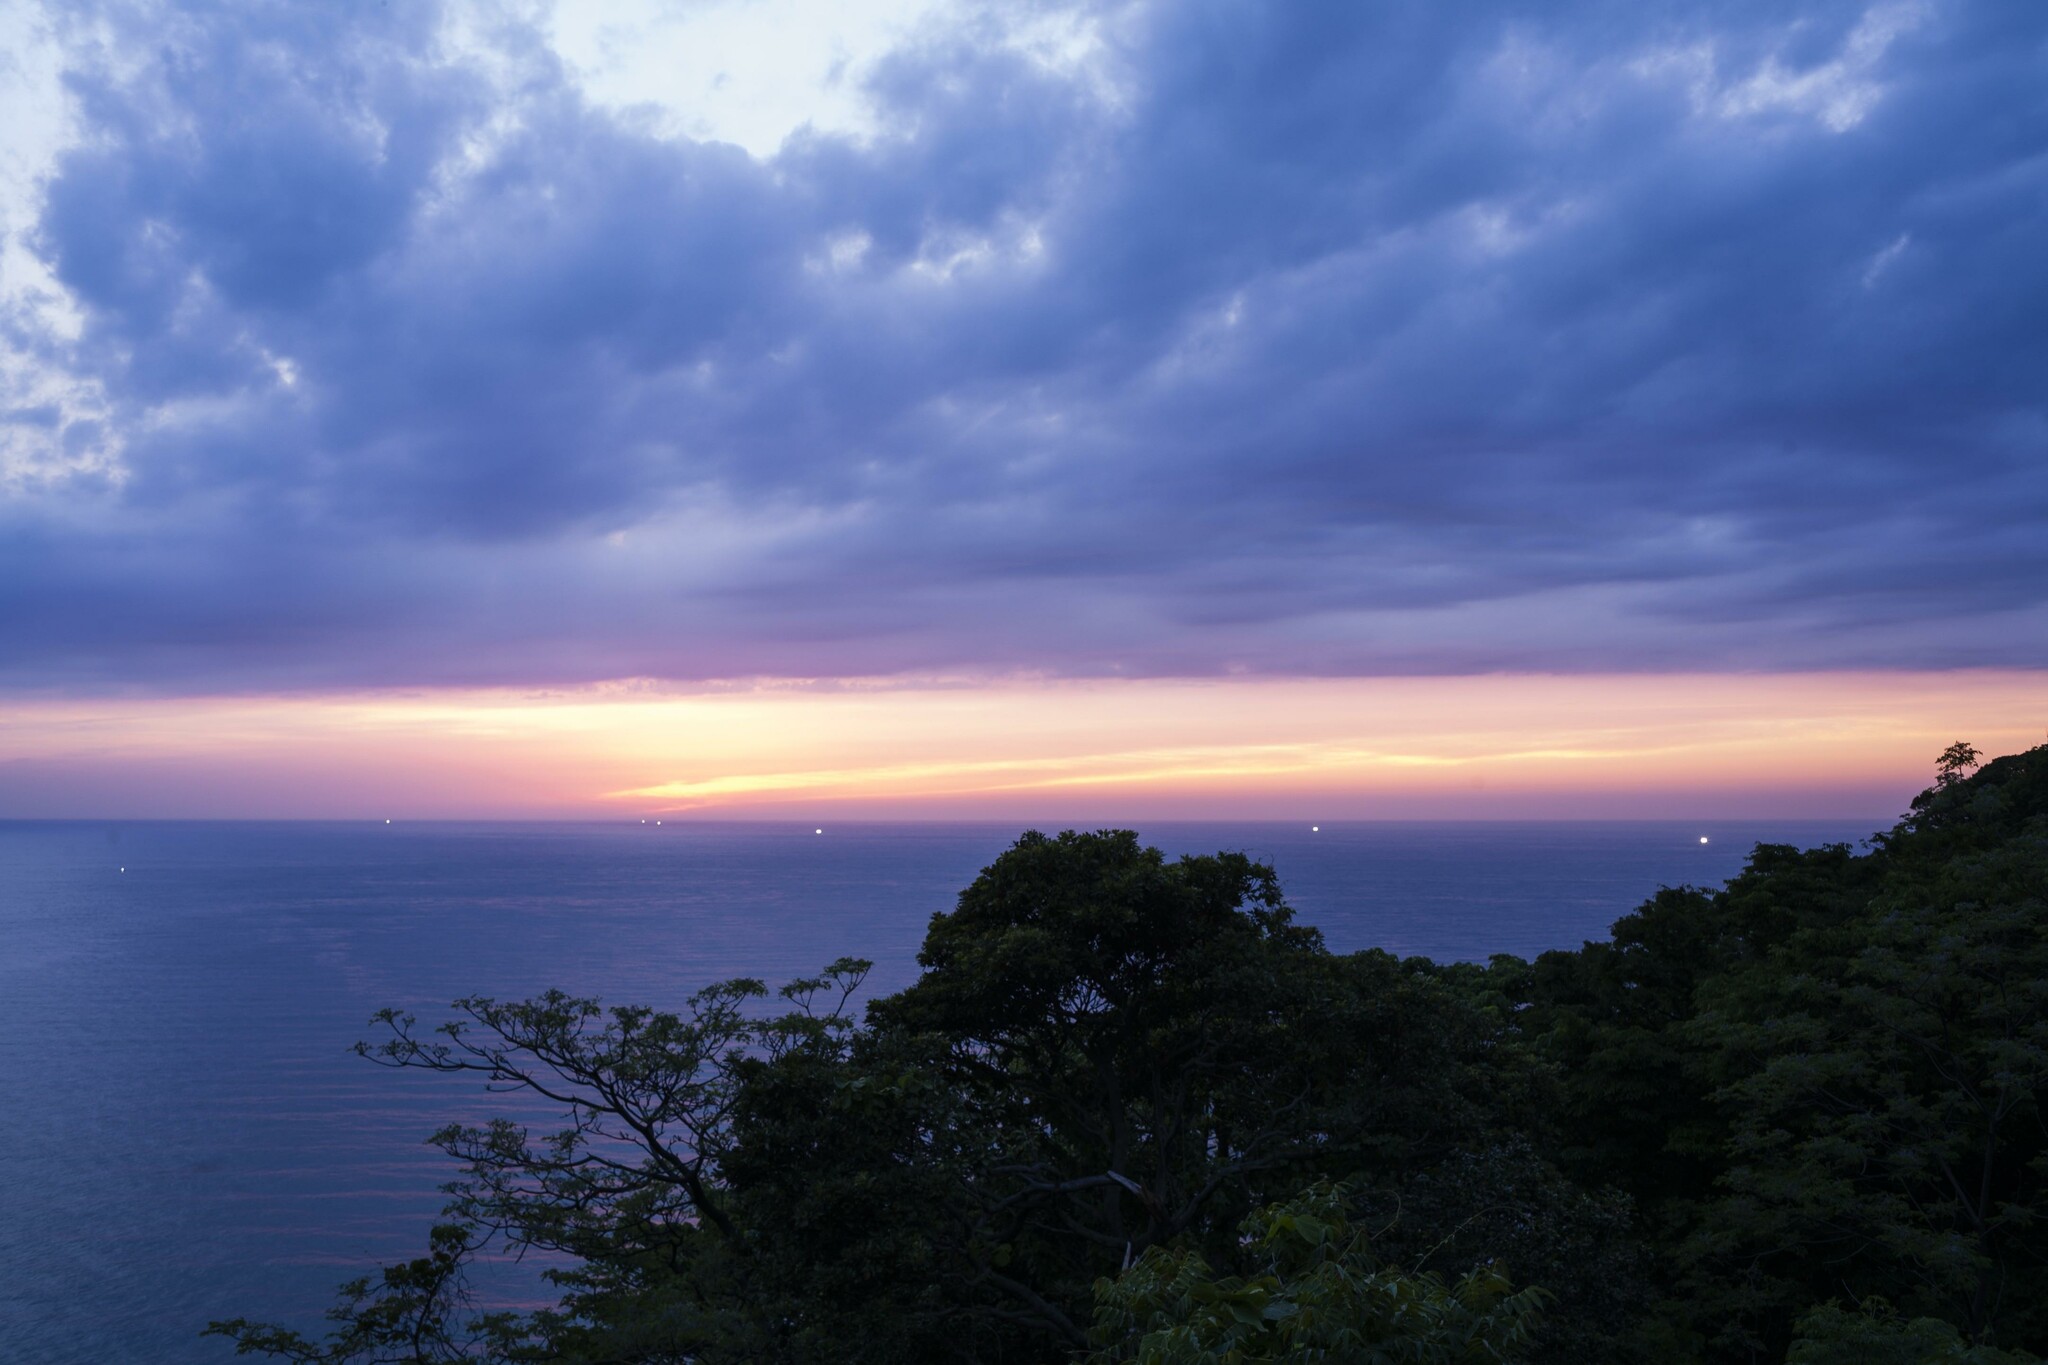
column 1885, row 1089
column 1130, row 1107
column 1822, row 1082
column 1316, row 1291
column 1876, row 1335
column 1505, row 1205
column 416, row 1314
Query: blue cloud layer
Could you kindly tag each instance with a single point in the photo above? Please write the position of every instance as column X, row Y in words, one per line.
column 1291, row 339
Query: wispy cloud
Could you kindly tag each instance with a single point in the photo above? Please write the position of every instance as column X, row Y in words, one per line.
column 1069, row 751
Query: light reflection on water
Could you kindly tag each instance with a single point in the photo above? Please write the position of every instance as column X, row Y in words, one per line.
column 187, row 1136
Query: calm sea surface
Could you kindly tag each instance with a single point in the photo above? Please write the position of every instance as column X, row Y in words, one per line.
column 184, row 1135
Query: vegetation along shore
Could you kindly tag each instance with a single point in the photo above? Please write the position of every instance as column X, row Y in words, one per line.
column 1132, row 1111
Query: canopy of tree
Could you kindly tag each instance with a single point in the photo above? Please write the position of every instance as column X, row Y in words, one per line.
column 1132, row 1111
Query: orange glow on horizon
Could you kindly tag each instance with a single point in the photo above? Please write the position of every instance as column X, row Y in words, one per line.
column 1481, row 747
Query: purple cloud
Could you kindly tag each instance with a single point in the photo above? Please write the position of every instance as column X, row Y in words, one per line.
column 1276, row 339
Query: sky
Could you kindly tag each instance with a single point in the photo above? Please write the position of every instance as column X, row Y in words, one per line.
column 737, row 406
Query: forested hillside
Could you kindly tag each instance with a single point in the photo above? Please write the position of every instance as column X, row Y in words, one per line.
column 1131, row 1110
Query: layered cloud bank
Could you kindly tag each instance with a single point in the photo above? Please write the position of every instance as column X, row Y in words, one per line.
column 357, row 346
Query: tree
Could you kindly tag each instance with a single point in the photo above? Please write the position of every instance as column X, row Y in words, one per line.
column 1148, row 1050
column 1090, row 1123
column 630, row 1190
column 1505, row 1205
column 1823, row 1079
column 1875, row 1334
column 1887, row 1090
column 1106, row 1052
column 1318, row 1293
column 1955, row 764
column 417, row 1314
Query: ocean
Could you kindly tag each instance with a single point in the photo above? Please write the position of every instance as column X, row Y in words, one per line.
column 186, row 1135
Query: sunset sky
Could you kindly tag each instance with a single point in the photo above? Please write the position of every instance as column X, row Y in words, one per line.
column 1049, row 411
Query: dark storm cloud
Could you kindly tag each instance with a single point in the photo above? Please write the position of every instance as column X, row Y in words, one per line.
column 1318, row 339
